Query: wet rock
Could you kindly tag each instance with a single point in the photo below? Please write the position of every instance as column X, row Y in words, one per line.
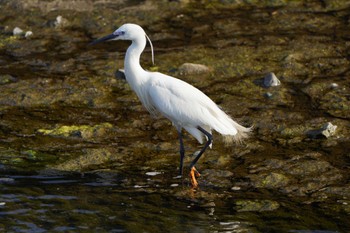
column 60, row 22
column 334, row 85
column 28, row 34
column 191, row 68
column 79, row 131
column 256, row 205
column 337, row 102
column 268, row 95
column 271, row 180
column 18, row 31
column 299, row 175
column 271, row 80
column 4, row 79
column 217, row 178
column 326, row 131
column 333, row 100
column 6, row 180
column 120, row 74
column 91, row 159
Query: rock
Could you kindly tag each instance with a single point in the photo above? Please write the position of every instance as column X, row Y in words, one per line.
column 217, row 178
column 4, row 79
column 256, row 205
column 298, row 176
column 120, row 74
column 6, row 180
column 271, row 80
column 326, row 131
column 28, row 34
column 191, row 68
column 334, row 85
column 17, row 31
column 272, row 180
column 60, row 22
column 91, row 159
column 268, row 95
column 79, row 131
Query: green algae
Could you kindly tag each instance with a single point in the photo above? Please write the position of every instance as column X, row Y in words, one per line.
column 83, row 131
column 256, row 205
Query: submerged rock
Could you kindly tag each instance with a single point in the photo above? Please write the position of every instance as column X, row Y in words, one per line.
column 326, row 131
column 79, row 131
column 256, row 205
column 271, row 80
column 4, row 79
column 91, row 159
column 300, row 175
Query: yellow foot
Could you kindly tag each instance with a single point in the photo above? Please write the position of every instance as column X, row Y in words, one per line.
column 193, row 174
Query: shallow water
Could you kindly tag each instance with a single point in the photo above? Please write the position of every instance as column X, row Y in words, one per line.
column 91, row 203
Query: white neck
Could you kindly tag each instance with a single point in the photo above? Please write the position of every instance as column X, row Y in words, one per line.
column 134, row 73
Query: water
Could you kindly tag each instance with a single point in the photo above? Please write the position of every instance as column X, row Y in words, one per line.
column 94, row 204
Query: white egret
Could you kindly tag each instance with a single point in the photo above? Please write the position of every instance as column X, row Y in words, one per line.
column 184, row 105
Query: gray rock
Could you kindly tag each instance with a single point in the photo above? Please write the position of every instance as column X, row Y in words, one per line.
column 6, row 180
column 271, row 80
column 17, row 31
column 326, row 131
column 191, row 68
column 120, row 74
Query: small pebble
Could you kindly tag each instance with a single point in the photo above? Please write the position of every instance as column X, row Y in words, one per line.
column 60, row 21
column 326, row 131
column 28, row 34
column 268, row 95
column 174, row 185
column 334, row 85
column 17, row 31
column 271, row 80
column 153, row 173
column 235, row 188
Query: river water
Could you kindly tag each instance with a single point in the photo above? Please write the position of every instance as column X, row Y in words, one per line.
column 91, row 204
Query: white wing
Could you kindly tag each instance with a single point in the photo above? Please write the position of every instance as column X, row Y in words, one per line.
column 187, row 107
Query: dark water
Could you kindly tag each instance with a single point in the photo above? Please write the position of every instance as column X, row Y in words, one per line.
column 84, row 204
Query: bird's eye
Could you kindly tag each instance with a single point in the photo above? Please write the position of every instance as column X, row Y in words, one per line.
column 119, row 33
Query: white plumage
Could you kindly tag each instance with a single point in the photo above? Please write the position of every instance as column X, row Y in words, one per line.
column 183, row 104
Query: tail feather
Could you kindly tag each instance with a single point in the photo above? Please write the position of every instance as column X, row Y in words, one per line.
column 242, row 133
column 231, row 130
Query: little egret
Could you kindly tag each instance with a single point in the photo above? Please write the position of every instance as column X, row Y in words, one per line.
column 184, row 105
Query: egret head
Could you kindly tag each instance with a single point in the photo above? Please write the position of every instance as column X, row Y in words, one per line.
column 127, row 31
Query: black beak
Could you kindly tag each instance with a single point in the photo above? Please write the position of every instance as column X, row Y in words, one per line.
column 105, row 38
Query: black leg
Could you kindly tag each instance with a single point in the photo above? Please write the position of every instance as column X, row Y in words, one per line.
column 210, row 139
column 182, row 152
